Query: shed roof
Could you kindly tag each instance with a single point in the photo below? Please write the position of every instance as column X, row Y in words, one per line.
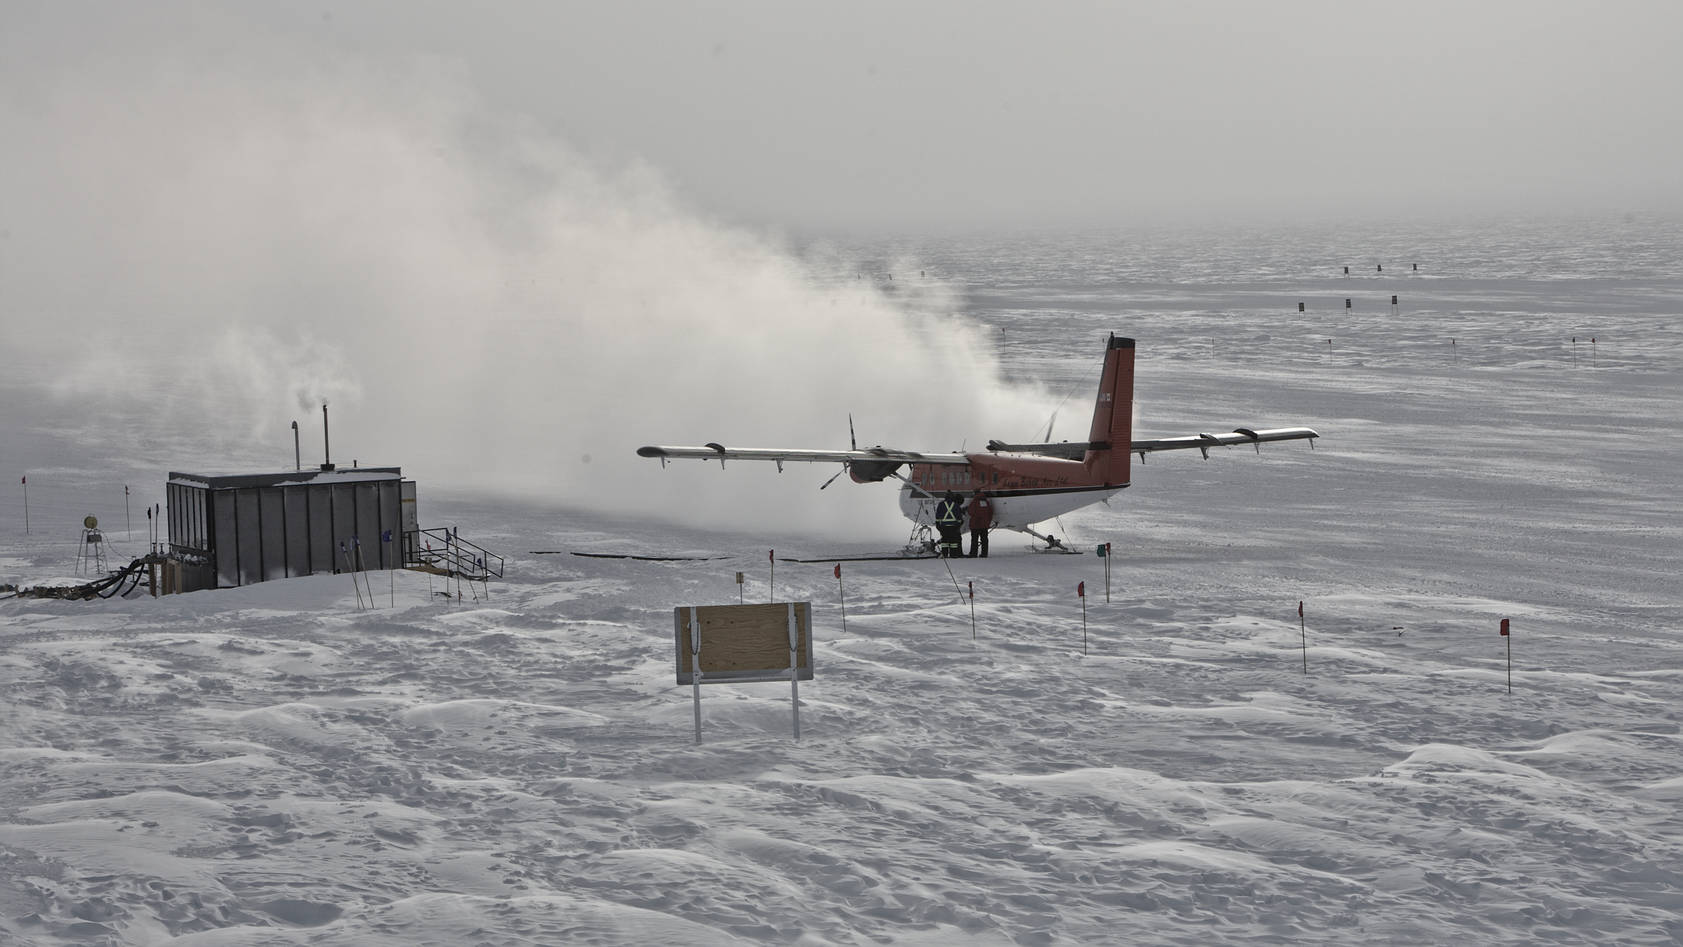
column 232, row 481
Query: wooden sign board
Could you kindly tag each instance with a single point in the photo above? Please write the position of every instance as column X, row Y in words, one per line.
column 743, row 642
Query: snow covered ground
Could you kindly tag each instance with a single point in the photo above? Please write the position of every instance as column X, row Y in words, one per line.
column 274, row 765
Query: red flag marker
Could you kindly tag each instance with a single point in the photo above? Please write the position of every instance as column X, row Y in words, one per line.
column 842, row 593
column 1510, row 643
column 1081, row 593
column 1303, row 636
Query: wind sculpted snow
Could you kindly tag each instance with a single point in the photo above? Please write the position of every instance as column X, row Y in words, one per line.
column 271, row 765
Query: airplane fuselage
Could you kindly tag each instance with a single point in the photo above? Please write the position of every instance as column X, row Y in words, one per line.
column 1024, row 490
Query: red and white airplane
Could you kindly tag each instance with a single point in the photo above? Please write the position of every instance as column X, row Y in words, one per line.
column 1029, row 483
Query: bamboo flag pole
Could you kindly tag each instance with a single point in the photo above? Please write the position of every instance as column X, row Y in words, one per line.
column 972, row 609
column 1081, row 593
column 843, row 593
column 1305, row 636
column 772, row 555
column 391, row 566
column 362, row 568
column 456, row 559
column 345, row 554
column 26, row 505
column 1107, row 573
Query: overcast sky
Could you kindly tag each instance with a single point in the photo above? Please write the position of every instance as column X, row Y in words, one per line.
column 894, row 116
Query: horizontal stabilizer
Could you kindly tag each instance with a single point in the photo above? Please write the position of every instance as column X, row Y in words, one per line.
column 1243, row 435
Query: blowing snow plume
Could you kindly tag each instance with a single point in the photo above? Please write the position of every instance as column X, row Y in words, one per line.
column 478, row 303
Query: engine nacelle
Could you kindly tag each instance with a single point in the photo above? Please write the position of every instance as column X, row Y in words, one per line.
column 872, row 471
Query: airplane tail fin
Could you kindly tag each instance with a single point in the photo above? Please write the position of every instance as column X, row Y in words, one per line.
column 1113, row 416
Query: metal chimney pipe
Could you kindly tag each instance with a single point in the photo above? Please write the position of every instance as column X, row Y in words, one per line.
column 297, row 458
column 327, row 455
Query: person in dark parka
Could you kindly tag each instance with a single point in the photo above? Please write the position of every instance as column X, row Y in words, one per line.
column 981, row 520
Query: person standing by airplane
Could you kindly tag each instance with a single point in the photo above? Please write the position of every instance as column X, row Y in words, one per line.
column 981, row 518
column 949, row 522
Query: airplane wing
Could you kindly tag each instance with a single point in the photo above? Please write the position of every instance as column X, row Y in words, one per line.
column 1203, row 442
column 874, row 455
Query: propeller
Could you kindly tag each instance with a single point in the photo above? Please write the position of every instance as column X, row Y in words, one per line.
column 853, row 442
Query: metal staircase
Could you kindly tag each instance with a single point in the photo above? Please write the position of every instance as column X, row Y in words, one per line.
column 443, row 551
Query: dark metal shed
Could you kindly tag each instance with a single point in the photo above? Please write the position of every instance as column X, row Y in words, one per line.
column 255, row 527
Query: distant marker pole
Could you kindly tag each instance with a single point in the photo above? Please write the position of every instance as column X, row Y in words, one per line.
column 842, row 592
column 26, row 505
column 1081, row 593
column 128, row 522
column 772, row 555
column 1304, row 635
column 1509, row 639
column 1574, row 351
